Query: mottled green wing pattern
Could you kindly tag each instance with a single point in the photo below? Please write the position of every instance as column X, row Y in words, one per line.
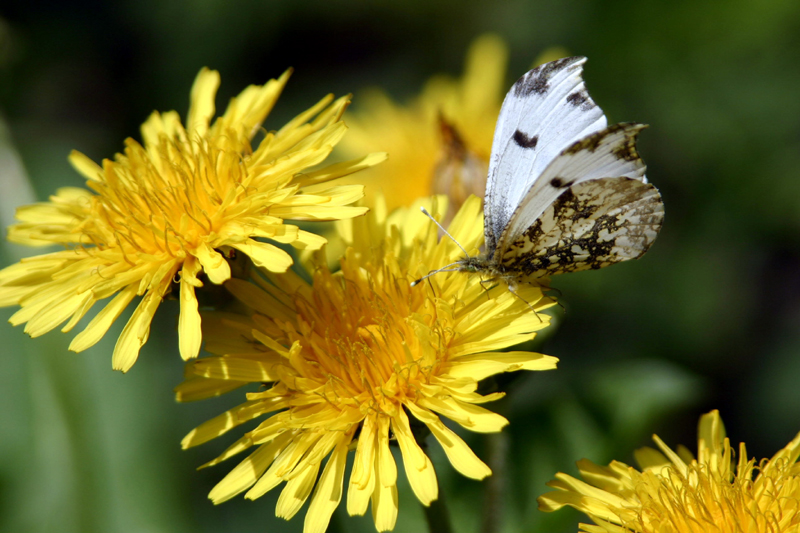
column 591, row 225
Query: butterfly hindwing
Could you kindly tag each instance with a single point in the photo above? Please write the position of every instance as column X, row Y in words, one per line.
column 546, row 110
column 592, row 224
column 609, row 153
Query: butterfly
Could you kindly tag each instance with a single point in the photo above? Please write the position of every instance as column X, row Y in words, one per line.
column 565, row 191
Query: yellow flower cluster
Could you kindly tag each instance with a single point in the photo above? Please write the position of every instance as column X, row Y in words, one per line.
column 678, row 493
column 342, row 353
column 348, row 358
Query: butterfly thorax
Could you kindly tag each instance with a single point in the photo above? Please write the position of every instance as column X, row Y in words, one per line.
column 490, row 269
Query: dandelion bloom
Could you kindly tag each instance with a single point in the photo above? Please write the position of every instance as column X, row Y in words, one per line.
column 162, row 214
column 441, row 141
column 347, row 358
column 677, row 493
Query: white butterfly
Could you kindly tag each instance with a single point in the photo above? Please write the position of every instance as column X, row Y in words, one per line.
column 565, row 191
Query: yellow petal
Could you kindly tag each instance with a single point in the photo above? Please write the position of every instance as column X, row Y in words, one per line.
column 283, row 465
column 234, row 368
column 201, row 108
column 99, row 325
column 710, row 434
column 79, row 313
column 470, row 416
column 319, row 212
column 297, row 491
column 245, row 474
column 341, row 169
column 362, row 478
column 384, row 504
column 649, row 458
column 460, row 455
column 247, row 111
column 194, row 389
column 260, row 301
column 679, row 464
column 219, row 425
column 484, row 73
column 137, row 330
column 85, row 166
column 365, row 453
column 237, row 447
column 214, row 264
column 309, row 241
column 56, row 312
column 386, row 464
column 161, row 124
column 266, row 255
column 483, row 365
column 328, row 493
column 189, row 332
column 419, row 469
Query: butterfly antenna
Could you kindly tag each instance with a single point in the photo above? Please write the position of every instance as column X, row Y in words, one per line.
column 425, row 211
column 445, row 268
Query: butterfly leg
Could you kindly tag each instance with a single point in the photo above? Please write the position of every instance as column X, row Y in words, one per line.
column 431, row 286
column 512, row 290
column 484, row 286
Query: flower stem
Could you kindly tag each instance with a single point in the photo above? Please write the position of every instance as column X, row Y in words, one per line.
column 495, row 485
column 437, row 516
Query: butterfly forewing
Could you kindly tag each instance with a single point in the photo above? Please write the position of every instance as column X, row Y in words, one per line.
column 565, row 191
column 608, row 153
column 546, row 110
column 591, row 225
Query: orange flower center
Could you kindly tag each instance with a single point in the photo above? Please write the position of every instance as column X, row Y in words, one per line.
column 167, row 198
column 369, row 340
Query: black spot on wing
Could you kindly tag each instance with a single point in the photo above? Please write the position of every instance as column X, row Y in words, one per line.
column 537, row 81
column 577, row 98
column 524, row 141
column 560, row 183
column 581, row 99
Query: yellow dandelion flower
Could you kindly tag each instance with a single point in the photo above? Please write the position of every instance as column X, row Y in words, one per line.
column 678, row 493
column 166, row 211
column 360, row 360
column 440, row 143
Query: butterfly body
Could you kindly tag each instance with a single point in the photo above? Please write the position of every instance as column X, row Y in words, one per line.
column 565, row 191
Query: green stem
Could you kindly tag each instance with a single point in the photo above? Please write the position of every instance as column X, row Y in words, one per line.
column 495, row 485
column 437, row 516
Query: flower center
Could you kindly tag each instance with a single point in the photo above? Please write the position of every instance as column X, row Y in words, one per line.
column 167, row 198
column 368, row 340
column 709, row 501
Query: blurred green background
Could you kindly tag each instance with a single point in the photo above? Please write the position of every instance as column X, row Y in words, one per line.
column 708, row 319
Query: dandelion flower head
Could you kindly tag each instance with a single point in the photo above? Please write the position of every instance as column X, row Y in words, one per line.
column 674, row 492
column 358, row 359
column 164, row 213
column 440, row 142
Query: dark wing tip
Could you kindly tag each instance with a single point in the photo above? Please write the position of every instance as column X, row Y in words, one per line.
column 537, row 80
